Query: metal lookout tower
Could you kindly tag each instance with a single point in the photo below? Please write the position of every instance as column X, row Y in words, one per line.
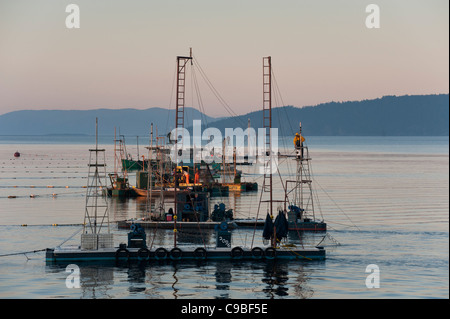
column 303, row 195
column 96, row 232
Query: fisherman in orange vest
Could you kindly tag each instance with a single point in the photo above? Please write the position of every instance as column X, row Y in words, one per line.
column 298, row 142
column 197, row 177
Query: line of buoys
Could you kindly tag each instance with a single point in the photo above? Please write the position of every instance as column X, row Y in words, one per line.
column 54, row 195
column 49, row 225
column 26, row 225
column 48, row 186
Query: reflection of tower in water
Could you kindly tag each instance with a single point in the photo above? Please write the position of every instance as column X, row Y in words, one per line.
column 136, row 278
column 223, row 278
column 301, row 289
column 276, row 277
column 96, row 281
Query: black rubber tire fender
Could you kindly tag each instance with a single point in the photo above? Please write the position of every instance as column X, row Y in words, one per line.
column 270, row 253
column 257, row 253
column 143, row 254
column 237, row 253
column 122, row 250
column 200, row 253
column 161, row 253
column 176, row 253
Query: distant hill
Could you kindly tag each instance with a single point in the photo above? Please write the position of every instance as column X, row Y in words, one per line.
column 128, row 121
column 409, row 115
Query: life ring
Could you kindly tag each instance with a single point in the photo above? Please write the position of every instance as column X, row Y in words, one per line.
column 237, row 253
column 120, row 251
column 161, row 253
column 257, row 253
column 200, row 253
column 176, row 253
column 270, row 253
column 143, row 254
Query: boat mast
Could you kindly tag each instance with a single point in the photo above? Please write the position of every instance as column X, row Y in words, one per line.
column 179, row 123
column 160, row 157
column 149, row 173
column 115, row 154
column 267, row 124
column 223, row 159
column 137, row 146
column 181, row 77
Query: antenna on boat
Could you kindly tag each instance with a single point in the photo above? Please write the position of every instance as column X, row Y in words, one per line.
column 149, row 174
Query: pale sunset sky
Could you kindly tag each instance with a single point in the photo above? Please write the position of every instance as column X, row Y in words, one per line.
column 124, row 53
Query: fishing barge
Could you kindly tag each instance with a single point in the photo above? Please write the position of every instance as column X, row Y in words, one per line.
column 97, row 240
column 137, row 250
column 234, row 224
column 237, row 253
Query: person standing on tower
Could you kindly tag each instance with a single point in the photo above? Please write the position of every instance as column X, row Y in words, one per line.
column 298, row 144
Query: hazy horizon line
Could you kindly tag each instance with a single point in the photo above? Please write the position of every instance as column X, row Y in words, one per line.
column 219, row 116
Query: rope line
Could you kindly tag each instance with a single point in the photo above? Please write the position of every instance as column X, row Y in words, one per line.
column 23, row 253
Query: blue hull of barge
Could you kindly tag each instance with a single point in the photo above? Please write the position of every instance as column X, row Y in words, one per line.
column 183, row 254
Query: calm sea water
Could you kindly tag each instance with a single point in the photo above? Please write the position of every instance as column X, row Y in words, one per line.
column 386, row 201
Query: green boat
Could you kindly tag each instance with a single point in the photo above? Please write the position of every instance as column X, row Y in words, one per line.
column 131, row 165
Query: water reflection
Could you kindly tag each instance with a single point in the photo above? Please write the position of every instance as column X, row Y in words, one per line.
column 279, row 281
column 95, row 282
column 136, row 278
column 275, row 278
column 223, row 278
column 202, row 280
column 175, row 281
column 119, row 208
